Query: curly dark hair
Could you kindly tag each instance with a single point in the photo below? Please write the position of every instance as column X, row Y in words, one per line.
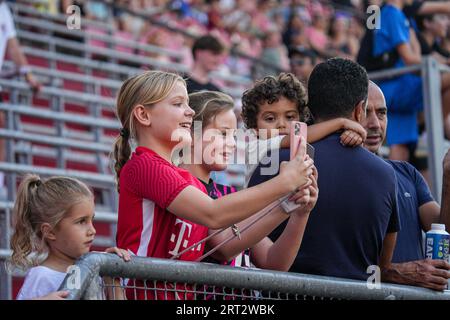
column 270, row 89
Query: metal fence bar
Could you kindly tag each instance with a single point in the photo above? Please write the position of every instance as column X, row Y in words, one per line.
column 55, row 141
column 72, row 95
column 66, row 75
column 66, row 116
column 431, row 82
column 93, row 265
column 95, row 179
column 128, row 71
column 100, row 215
column 395, row 72
column 17, row 7
column 95, row 64
column 109, row 53
column 55, row 27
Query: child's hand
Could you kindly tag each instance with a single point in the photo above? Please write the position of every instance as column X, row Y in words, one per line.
column 297, row 171
column 301, row 196
column 350, row 138
column 124, row 254
column 57, row 295
column 355, row 127
column 312, row 196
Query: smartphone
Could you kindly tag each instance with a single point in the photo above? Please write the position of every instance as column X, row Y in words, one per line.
column 298, row 129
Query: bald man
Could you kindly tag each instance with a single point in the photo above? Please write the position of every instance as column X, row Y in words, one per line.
column 417, row 208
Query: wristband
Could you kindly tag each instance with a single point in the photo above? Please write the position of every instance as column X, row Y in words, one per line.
column 24, row 70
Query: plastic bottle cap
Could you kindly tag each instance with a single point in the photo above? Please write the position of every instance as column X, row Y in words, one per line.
column 438, row 226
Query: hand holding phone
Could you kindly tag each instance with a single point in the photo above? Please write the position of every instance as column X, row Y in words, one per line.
column 298, row 130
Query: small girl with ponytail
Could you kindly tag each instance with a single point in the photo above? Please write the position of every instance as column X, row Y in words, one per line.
column 53, row 217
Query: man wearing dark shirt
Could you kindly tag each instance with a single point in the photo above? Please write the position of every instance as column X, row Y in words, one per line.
column 207, row 53
column 355, row 221
column 417, row 208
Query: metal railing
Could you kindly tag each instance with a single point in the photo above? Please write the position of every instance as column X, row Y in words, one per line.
column 51, row 26
column 151, row 278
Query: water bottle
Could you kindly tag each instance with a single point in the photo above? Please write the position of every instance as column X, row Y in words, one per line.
column 437, row 242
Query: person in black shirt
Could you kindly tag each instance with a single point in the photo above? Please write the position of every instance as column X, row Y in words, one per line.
column 207, row 52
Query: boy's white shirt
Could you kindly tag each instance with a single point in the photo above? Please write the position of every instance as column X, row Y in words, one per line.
column 257, row 149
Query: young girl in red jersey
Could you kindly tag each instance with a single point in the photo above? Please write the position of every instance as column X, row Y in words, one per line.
column 163, row 209
column 214, row 110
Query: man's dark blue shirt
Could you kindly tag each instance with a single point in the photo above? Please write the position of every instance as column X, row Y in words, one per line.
column 413, row 192
column 356, row 207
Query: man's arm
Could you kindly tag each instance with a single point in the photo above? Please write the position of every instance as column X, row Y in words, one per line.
column 432, row 274
column 430, row 212
column 410, row 52
column 388, row 250
column 432, row 7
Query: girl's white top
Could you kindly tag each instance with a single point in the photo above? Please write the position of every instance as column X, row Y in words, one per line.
column 39, row 282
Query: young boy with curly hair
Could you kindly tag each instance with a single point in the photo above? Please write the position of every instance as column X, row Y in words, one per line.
column 273, row 102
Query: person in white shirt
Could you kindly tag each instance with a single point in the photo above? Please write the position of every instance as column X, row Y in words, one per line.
column 53, row 217
column 9, row 44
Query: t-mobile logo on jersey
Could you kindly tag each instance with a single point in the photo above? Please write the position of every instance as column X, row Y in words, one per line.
column 180, row 240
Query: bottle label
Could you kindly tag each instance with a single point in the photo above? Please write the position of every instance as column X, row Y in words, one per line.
column 437, row 246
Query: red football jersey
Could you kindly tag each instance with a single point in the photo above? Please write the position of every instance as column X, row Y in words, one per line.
column 148, row 185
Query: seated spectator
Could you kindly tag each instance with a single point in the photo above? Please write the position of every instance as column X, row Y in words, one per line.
column 317, row 35
column 215, row 15
column 341, row 43
column 97, row 11
column 352, row 182
column 302, row 63
column 397, row 39
column 260, row 16
column 121, row 34
column 433, row 28
column 207, row 53
column 403, row 94
column 155, row 37
column 274, row 53
column 295, row 25
column 48, row 6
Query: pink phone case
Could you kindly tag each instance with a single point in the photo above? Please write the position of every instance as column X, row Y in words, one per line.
column 298, row 129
